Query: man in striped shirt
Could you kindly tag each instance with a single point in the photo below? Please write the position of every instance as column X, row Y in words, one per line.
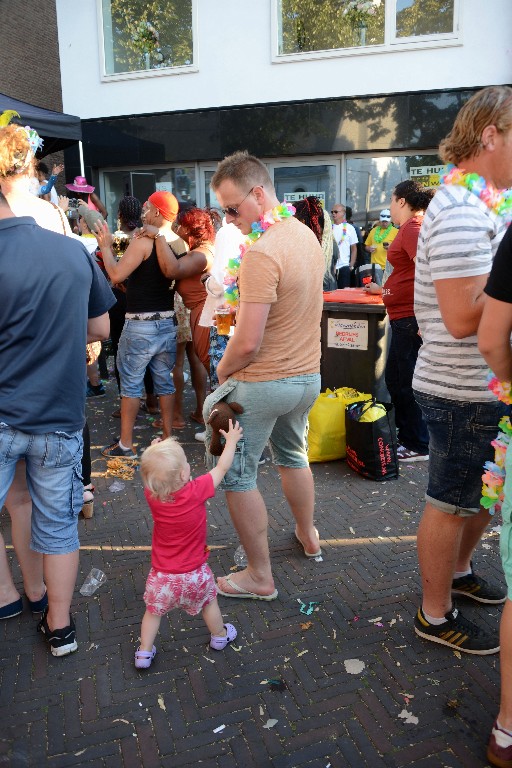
column 458, row 239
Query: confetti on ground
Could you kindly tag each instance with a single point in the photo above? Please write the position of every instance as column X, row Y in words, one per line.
column 77, row 754
column 161, row 703
column 408, row 717
column 457, row 654
column 393, row 621
column 301, row 653
column 92, row 645
column 319, row 559
column 120, row 720
column 120, row 468
column 486, row 546
column 496, row 529
column 354, row 666
column 207, row 659
column 352, row 531
column 374, row 621
column 219, row 729
column 306, row 625
column 334, row 634
column 236, row 648
column 262, row 711
column 307, row 610
column 270, row 724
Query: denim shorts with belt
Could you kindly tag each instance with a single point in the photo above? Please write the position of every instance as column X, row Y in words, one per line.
column 146, row 343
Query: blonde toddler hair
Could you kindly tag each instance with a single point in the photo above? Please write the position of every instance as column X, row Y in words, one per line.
column 160, row 467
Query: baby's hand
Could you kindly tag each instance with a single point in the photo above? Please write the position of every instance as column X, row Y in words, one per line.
column 234, row 433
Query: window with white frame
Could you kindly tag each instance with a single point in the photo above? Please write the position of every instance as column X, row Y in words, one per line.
column 306, row 26
column 141, row 35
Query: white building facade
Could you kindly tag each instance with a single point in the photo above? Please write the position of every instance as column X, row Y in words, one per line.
column 341, row 98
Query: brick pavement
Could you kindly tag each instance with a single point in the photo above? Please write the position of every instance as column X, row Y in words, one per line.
column 95, row 709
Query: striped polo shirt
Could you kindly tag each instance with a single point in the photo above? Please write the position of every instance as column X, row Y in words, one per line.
column 458, row 238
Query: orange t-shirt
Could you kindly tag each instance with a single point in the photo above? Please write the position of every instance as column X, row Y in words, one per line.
column 285, row 268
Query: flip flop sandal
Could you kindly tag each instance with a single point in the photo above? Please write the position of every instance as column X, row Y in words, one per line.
column 152, row 411
column 143, row 659
column 196, row 419
column 241, row 593
column 308, row 554
column 218, row 643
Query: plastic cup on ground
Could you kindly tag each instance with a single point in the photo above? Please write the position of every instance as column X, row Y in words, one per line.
column 240, row 557
column 223, row 317
column 95, row 579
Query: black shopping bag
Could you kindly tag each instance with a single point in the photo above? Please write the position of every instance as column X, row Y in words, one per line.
column 371, row 445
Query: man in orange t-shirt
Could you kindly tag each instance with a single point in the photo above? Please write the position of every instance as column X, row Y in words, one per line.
column 271, row 367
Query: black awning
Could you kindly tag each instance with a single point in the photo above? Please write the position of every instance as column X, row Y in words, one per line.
column 56, row 129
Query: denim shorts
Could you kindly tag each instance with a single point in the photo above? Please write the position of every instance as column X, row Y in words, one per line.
column 53, row 467
column 275, row 411
column 146, row 343
column 460, row 443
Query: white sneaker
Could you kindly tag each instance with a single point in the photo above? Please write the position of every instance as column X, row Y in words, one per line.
column 200, row 436
column 406, row 454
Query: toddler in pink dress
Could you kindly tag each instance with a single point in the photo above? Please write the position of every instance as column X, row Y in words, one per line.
column 180, row 576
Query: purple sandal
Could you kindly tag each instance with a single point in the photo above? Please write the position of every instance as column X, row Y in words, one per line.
column 218, row 643
column 143, row 659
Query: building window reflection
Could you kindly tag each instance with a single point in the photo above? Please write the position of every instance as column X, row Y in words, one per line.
column 371, row 180
column 147, row 36
column 142, row 183
column 423, row 17
column 307, row 26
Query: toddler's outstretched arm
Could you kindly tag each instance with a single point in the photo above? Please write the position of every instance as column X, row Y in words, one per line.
column 232, row 436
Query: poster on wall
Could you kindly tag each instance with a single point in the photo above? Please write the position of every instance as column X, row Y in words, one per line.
column 164, row 186
column 294, row 197
column 428, row 175
column 347, row 334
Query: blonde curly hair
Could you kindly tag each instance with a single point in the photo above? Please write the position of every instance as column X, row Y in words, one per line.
column 161, row 466
column 15, row 151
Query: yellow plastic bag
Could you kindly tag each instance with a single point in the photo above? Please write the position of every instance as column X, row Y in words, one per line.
column 374, row 413
column 327, row 434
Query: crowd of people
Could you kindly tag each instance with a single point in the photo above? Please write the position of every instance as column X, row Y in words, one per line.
column 444, row 260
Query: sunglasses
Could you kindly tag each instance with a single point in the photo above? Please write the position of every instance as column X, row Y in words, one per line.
column 333, row 212
column 232, row 210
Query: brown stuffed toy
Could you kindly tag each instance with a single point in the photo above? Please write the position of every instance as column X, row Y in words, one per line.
column 219, row 418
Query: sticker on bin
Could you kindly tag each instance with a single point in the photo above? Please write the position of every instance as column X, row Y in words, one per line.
column 343, row 333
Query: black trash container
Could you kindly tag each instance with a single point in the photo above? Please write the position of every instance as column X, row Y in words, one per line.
column 354, row 345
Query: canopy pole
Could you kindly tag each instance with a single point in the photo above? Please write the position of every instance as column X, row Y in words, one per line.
column 81, row 151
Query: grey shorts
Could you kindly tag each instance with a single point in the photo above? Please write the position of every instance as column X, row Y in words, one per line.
column 275, row 411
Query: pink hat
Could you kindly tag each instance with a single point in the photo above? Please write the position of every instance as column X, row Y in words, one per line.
column 80, row 185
